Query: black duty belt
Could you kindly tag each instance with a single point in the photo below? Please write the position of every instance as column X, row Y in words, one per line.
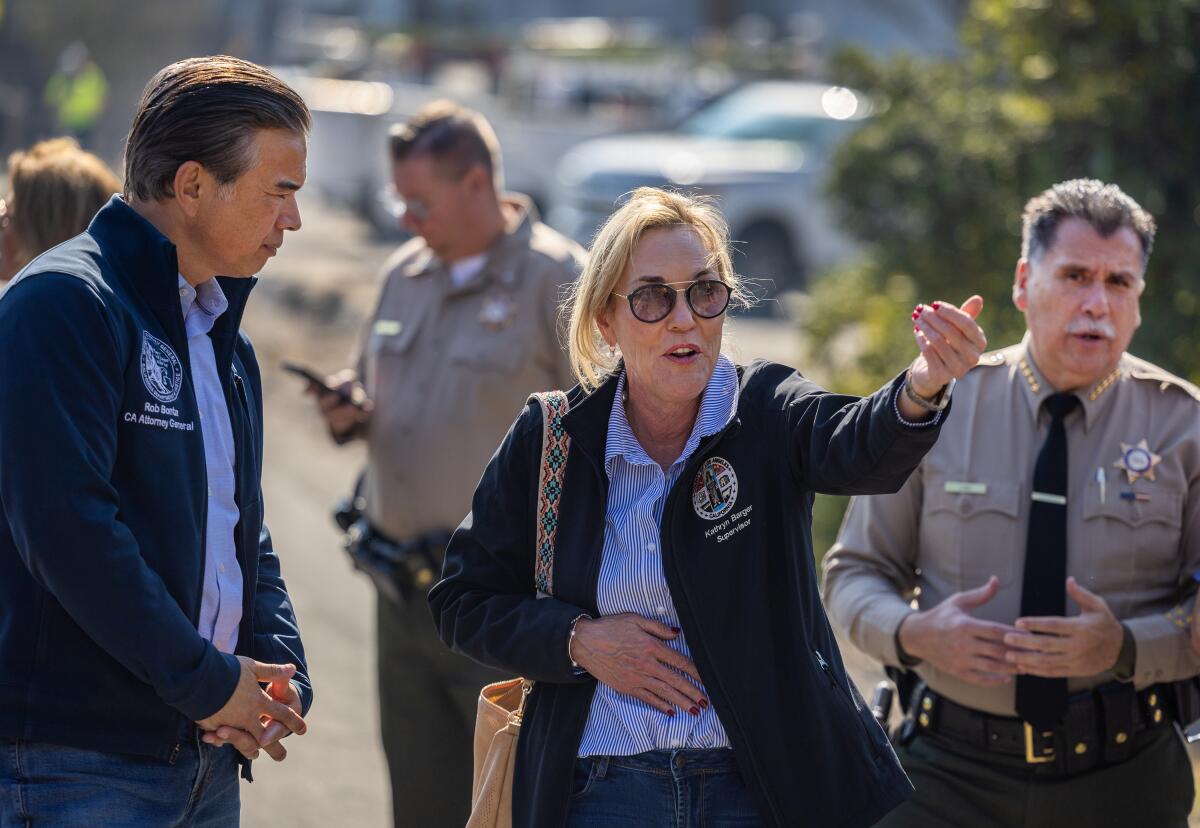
column 1097, row 729
column 400, row 569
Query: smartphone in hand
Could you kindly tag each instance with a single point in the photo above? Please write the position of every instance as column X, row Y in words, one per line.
column 314, row 379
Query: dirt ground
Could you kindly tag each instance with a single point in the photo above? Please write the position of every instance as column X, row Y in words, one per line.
column 308, row 307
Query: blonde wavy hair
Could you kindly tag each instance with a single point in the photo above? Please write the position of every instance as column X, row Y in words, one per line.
column 56, row 189
column 648, row 208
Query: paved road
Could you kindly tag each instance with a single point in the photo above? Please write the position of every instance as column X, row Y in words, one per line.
column 335, row 775
column 308, row 307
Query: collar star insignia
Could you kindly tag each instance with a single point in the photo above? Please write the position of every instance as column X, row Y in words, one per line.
column 1138, row 461
column 497, row 312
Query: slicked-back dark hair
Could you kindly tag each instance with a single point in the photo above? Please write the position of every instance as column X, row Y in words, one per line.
column 1104, row 206
column 207, row 110
column 455, row 137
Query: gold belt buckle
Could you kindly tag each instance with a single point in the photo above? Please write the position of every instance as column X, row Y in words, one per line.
column 1048, row 756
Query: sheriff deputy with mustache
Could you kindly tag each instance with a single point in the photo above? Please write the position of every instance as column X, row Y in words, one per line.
column 1031, row 571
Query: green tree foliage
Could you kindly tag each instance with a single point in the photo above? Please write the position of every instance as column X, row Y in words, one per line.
column 1042, row 91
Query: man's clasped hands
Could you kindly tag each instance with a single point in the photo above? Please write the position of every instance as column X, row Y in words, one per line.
column 264, row 708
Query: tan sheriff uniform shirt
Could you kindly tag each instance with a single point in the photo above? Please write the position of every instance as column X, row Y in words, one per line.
column 964, row 515
column 450, row 368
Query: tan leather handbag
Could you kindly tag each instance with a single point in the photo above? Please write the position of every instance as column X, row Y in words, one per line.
column 497, row 726
column 502, row 704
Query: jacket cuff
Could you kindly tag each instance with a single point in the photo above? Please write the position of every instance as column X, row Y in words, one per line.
column 1126, row 665
column 563, row 671
column 878, row 626
column 1160, row 647
column 936, row 419
column 305, row 691
column 212, row 685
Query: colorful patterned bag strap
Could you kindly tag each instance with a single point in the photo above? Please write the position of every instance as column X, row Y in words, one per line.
column 555, row 445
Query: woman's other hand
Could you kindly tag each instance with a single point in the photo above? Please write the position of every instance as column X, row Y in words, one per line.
column 950, row 341
column 627, row 653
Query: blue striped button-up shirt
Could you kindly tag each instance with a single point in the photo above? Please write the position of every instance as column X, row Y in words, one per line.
column 221, row 605
column 632, row 580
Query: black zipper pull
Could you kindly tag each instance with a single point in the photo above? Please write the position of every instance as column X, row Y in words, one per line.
column 174, row 755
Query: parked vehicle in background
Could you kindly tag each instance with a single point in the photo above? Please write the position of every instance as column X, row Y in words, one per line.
column 347, row 155
column 761, row 149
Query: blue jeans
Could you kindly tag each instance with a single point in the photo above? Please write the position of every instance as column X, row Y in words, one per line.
column 661, row 789
column 42, row 784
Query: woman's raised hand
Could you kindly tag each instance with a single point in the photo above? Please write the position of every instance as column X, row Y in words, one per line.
column 627, row 653
column 950, row 341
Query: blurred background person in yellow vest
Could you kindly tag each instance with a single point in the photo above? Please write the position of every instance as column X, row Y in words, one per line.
column 77, row 92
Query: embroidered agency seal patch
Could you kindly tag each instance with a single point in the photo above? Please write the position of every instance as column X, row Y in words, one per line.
column 715, row 488
column 161, row 371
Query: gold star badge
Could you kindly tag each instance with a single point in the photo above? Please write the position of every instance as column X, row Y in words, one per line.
column 1138, row 461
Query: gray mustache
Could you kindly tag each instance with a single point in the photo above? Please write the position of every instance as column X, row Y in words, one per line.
column 1104, row 329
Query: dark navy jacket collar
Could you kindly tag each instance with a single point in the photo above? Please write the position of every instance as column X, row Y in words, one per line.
column 147, row 262
column 587, row 418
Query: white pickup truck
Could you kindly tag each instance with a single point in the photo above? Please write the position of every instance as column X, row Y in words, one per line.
column 761, row 149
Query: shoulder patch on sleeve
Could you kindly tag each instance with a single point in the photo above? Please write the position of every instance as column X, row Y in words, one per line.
column 1148, row 372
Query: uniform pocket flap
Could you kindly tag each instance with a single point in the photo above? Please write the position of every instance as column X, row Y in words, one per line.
column 968, row 498
column 1155, row 506
column 492, row 352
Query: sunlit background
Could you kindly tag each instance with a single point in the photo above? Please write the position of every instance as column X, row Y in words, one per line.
column 869, row 154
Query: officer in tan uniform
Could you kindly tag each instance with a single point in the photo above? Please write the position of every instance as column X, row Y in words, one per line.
column 1032, row 570
column 464, row 331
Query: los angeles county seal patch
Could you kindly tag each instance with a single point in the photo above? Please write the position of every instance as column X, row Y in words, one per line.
column 161, row 371
column 715, row 488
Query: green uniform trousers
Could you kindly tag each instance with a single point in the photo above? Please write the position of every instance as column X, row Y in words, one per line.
column 959, row 785
column 427, row 699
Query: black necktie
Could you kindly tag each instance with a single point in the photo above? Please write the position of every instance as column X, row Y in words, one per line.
column 1042, row 701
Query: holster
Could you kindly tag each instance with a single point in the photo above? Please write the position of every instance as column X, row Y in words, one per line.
column 1183, row 701
column 399, row 570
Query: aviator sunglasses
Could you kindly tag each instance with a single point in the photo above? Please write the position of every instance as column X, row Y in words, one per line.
column 707, row 298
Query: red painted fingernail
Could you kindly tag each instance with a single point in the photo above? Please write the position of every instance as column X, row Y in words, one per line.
column 671, row 711
column 704, row 703
column 936, row 305
column 695, row 711
column 916, row 329
column 916, row 314
column 676, row 630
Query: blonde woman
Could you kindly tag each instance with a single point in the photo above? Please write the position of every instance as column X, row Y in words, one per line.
column 55, row 189
column 685, row 672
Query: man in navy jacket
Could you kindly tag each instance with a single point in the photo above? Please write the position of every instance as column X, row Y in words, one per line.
column 147, row 642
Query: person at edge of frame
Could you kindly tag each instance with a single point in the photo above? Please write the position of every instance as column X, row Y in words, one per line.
column 55, row 188
column 464, row 329
column 1048, row 539
column 148, row 645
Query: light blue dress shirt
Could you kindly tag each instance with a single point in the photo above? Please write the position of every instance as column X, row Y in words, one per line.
column 632, row 580
column 221, row 606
